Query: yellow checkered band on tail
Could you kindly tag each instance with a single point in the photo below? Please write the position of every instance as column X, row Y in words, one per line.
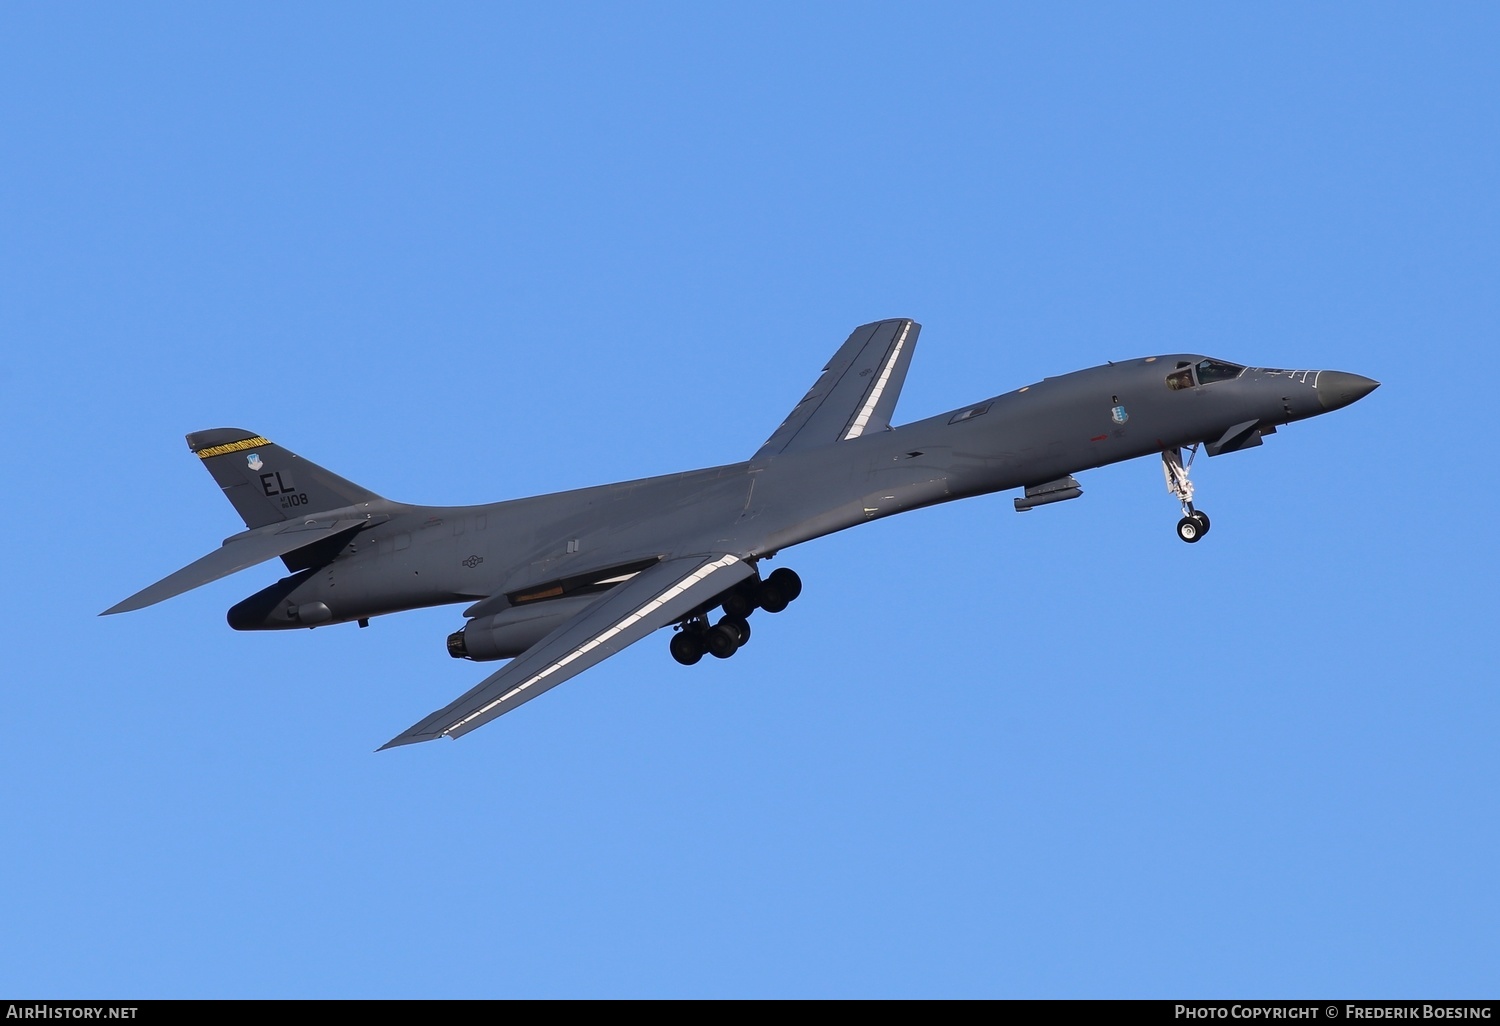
column 243, row 443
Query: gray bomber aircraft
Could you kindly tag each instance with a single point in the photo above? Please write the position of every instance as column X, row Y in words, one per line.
column 559, row 582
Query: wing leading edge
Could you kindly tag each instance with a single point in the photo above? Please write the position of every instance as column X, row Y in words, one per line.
column 856, row 392
column 654, row 598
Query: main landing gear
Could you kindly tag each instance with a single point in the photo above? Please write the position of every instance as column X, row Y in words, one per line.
column 1194, row 522
column 695, row 637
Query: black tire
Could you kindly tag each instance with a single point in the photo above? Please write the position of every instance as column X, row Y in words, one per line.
column 687, row 647
column 739, row 625
column 739, row 603
column 1202, row 519
column 771, row 598
column 721, row 641
column 787, row 583
column 1189, row 529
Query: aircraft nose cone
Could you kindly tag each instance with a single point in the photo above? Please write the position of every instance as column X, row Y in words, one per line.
column 1337, row 389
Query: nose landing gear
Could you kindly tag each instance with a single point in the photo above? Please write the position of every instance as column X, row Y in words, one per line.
column 1194, row 523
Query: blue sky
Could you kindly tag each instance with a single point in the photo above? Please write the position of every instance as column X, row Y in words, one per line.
column 462, row 253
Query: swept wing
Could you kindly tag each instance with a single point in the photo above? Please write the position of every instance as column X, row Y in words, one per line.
column 653, row 598
column 856, row 392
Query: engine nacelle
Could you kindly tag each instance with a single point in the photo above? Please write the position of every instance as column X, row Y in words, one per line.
column 514, row 630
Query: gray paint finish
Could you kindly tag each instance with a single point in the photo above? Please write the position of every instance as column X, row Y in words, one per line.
column 562, row 581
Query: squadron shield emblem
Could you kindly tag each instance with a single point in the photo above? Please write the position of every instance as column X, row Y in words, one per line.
column 1119, row 414
column 253, row 460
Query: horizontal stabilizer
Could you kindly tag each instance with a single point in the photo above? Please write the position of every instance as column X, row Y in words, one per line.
column 237, row 553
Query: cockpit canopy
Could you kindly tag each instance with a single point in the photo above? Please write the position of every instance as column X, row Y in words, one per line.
column 1207, row 371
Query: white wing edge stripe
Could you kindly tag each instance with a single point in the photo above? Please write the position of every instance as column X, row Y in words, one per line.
column 861, row 421
column 650, row 607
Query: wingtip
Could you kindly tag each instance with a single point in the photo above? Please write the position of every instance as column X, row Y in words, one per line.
column 409, row 738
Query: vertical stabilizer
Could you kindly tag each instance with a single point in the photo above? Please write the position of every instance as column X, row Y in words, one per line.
column 267, row 484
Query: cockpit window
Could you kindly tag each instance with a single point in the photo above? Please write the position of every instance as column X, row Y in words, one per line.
column 1180, row 379
column 1215, row 370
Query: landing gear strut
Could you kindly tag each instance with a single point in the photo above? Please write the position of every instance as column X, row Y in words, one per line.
column 1194, row 522
column 694, row 636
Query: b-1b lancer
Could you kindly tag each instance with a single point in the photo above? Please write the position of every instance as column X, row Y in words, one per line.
column 556, row 583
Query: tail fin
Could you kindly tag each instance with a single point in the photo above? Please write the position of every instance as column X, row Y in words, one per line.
column 267, row 484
